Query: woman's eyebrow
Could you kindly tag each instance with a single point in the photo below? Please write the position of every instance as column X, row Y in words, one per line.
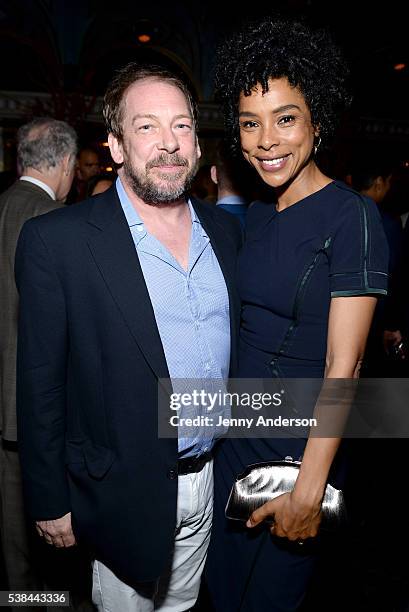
column 279, row 109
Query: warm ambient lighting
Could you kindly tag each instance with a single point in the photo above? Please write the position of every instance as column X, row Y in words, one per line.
column 109, row 169
column 144, row 38
column 104, row 144
column 399, row 66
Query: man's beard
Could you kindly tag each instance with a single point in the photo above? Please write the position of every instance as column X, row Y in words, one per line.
column 166, row 190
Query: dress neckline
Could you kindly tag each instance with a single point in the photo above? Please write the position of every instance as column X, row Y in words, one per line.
column 303, row 200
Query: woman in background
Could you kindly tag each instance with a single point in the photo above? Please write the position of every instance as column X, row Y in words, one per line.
column 309, row 274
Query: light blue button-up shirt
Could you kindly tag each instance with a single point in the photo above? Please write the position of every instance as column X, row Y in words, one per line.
column 191, row 309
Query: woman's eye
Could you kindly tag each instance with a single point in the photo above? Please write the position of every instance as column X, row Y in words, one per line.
column 286, row 120
column 248, row 124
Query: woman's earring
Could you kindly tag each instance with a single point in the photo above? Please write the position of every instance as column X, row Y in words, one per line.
column 316, row 147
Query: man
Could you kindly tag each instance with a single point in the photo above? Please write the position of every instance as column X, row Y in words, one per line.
column 87, row 166
column 128, row 288
column 373, row 179
column 233, row 183
column 203, row 187
column 46, row 151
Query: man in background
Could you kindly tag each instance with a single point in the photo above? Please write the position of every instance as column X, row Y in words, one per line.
column 46, row 151
column 232, row 182
column 373, row 178
column 87, row 166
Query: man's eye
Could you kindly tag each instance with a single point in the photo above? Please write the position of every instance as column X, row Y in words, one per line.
column 145, row 128
column 183, row 126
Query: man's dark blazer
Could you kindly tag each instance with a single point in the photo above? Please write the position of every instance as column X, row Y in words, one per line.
column 22, row 201
column 89, row 360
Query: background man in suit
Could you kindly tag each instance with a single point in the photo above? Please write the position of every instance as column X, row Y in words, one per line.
column 126, row 289
column 46, row 153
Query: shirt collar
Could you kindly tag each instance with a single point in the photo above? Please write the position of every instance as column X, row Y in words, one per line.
column 232, row 200
column 134, row 220
column 40, row 184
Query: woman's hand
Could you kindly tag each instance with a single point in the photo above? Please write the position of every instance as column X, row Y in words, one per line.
column 297, row 515
column 294, row 518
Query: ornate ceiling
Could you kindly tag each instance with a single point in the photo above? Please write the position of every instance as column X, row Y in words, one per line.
column 62, row 54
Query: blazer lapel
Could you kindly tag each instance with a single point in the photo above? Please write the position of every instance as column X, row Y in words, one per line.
column 226, row 256
column 217, row 236
column 114, row 253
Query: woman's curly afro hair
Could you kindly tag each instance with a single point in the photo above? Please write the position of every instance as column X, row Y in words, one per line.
column 275, row 48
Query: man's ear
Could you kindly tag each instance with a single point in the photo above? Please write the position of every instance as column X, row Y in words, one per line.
column 116, row 149
column 213, row 174
column 198, row 150
column 378, row 182
column 67, row 164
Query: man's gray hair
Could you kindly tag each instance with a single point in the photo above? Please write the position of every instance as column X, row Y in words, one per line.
column 44, row 142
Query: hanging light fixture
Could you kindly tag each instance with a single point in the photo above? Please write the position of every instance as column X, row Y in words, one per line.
column 144, row 38
column 144, row 31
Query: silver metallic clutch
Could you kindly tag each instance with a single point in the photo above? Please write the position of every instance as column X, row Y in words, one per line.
column 261, row 482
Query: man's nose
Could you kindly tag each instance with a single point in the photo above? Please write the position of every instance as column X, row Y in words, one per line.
column 167, row 140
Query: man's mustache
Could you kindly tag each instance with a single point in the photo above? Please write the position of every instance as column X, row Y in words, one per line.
column 167, row 160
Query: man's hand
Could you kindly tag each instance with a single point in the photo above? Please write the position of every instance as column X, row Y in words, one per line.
column 293, row 519
column 57, row 532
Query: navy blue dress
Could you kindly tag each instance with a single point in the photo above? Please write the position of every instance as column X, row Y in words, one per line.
column 328, row 244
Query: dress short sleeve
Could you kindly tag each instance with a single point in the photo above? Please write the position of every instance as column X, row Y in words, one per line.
column 358, row 254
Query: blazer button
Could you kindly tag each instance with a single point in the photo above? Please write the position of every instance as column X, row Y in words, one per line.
column 172, row 474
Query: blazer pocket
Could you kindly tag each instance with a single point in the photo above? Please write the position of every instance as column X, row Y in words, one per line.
column 98, row 459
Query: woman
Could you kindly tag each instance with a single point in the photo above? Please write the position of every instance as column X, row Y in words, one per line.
column 309, row 274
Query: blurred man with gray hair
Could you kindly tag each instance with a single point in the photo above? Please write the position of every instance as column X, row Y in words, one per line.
column 46, row 150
